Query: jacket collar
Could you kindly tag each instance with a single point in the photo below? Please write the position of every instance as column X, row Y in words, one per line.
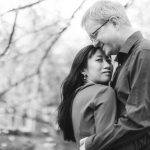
column 84, row 86
column 127, row 47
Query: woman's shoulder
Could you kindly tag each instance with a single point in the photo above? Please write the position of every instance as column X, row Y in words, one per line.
column 101, row 86
column 93, row 95
column 102, row 94
column 91, row 90
column 96, row 88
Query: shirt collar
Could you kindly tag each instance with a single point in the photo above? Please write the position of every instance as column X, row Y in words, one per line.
column 127, row 46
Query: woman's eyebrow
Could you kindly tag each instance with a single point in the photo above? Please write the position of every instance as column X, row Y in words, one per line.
column 99, row 56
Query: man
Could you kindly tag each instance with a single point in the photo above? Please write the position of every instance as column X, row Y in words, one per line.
column 108, row 26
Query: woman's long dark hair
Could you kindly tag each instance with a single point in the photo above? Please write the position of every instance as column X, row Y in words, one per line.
column 73, row 81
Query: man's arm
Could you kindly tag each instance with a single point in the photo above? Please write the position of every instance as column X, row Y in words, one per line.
column 137, row 115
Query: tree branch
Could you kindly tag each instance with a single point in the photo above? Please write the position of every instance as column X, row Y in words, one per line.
column 128, row 4
column 17, row 83
column 37, row 72
column 23, row 7
column 11, row 35
column 59, row 35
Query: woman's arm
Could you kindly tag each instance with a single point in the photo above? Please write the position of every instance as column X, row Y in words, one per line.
column 104, row 111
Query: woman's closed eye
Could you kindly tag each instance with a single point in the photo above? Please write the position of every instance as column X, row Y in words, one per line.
column 99, row 59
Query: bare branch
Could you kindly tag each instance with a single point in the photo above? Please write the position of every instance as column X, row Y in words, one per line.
column 128, row 4
column 77, row 9
column 11, row 35
column 37, row 72
column 37, row 31
column 59, row 35
column 18, row 83
column 23, row 7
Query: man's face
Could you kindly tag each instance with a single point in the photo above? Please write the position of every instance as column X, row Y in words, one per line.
column 105, row 35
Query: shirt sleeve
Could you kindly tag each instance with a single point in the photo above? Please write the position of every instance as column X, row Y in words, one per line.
column 137, row 116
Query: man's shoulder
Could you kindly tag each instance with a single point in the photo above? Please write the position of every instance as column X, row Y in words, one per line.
column 145, row 44
column 142, row 47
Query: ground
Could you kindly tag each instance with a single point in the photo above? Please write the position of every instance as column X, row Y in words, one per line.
column 13, row 142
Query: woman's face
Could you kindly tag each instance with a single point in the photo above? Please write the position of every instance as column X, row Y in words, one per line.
column 99, row 68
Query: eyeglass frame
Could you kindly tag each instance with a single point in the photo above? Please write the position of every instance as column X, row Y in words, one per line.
column 93, row 33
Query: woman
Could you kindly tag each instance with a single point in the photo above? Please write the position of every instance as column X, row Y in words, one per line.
column 88, row 104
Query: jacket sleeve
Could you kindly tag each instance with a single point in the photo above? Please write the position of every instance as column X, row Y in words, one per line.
column 105, row 109
column 137, row 116
column 99, row 113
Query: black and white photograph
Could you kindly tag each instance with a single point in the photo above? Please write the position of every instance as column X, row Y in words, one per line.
column 74, row 75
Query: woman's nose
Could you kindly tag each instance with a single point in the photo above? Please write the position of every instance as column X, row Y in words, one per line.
column 107, row 64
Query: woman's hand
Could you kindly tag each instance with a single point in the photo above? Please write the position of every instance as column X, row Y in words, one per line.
column 82, row 143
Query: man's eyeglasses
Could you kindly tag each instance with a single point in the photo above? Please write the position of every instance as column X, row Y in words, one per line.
column 93, row 35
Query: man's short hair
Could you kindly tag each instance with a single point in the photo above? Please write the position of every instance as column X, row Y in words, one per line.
column 103, row 10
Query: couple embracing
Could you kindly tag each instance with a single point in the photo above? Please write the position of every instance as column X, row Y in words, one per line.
column 99, row 113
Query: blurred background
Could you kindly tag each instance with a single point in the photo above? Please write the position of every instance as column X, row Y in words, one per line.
column 38, row 41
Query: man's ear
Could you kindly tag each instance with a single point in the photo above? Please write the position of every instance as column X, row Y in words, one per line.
column 115, row 21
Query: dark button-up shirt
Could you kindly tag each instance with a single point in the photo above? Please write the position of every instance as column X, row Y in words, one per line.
column 132, row 86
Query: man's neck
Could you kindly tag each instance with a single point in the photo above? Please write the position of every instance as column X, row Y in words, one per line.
column 126, row 32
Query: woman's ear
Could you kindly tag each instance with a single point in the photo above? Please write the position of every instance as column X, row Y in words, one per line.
column 85, row 76
column 83, row 72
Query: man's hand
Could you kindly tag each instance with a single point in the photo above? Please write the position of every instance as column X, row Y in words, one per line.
column 82, row 143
